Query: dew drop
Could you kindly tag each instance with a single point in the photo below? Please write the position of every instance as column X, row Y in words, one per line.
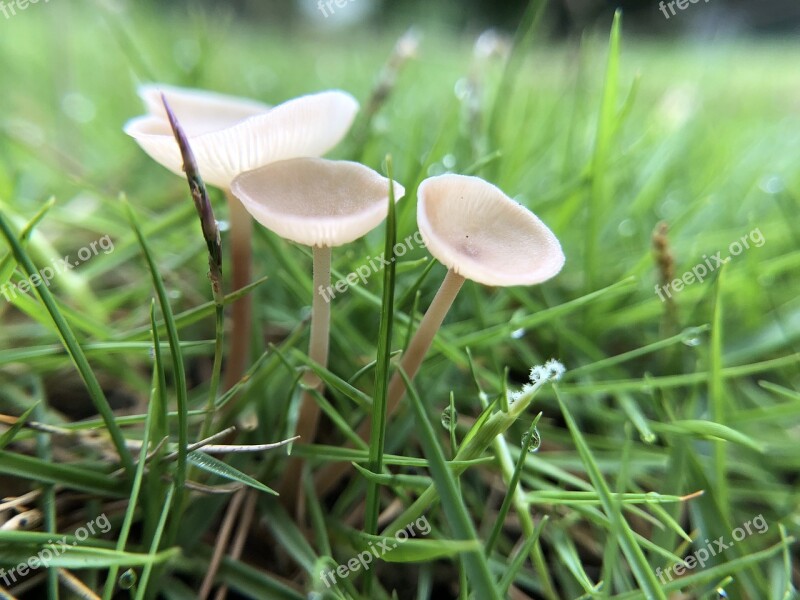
column 627, row 228
column 223, row 225
column 532, row 440
column 670, row 207
column 517, row 334
column 691, row 336
column 771, row 184
column 721, row 593
column 436, row 169
column 127, row 579
column 449, row 417
column 489, row 44
column 462, row 89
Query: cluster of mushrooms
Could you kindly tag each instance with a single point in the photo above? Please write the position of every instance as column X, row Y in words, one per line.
column 267, row 161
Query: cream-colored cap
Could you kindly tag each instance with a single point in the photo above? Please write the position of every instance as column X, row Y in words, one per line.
column 314, row 201
column 228, row 138
column 473, row 228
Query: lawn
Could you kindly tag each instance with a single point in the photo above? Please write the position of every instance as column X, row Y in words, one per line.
column 662, row 463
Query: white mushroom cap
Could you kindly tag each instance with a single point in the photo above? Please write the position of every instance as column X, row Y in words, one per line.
column 233, row 141
column 199, row 111
column 314, row 201
column 473, row 228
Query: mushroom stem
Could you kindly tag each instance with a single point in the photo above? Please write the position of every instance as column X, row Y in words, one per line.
column 241, row 233
column 320, row 330
column 412, row 359
column 421, row 342
column 308, row 418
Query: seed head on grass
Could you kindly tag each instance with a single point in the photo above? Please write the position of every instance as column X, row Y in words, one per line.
column 201, row 202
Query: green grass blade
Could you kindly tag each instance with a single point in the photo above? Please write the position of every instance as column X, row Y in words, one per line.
column 12, row 432
column 718, row 400
column 377, row 437
column 518, row 561
column 153, row 411
column 7, row 264
column 73, row 348
column 177, row 361
column 144, row 580
column 510, row 492
column 636, row 559
column 70, row 476
column 217, row 467
column 457, row 514
column 606, row 125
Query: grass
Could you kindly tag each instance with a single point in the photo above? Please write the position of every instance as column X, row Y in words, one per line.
column 675, row 423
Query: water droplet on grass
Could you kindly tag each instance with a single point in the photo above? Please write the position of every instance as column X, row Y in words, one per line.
column 463, row 88
column 436, row 169
column 691, row 336
column 128, row 579
column 627, row 228
column 517, row 334
column 449, row 417
column 771, row 184
column 532, row 440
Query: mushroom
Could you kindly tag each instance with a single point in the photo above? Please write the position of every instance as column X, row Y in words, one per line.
column 319, row 203
column 229, row 136
column 478, row 233
column 206, row 111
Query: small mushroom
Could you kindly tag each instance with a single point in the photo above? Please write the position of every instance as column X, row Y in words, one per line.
column 228, row 136
column 478, row 233
column 231, row 135
column 319, row 203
